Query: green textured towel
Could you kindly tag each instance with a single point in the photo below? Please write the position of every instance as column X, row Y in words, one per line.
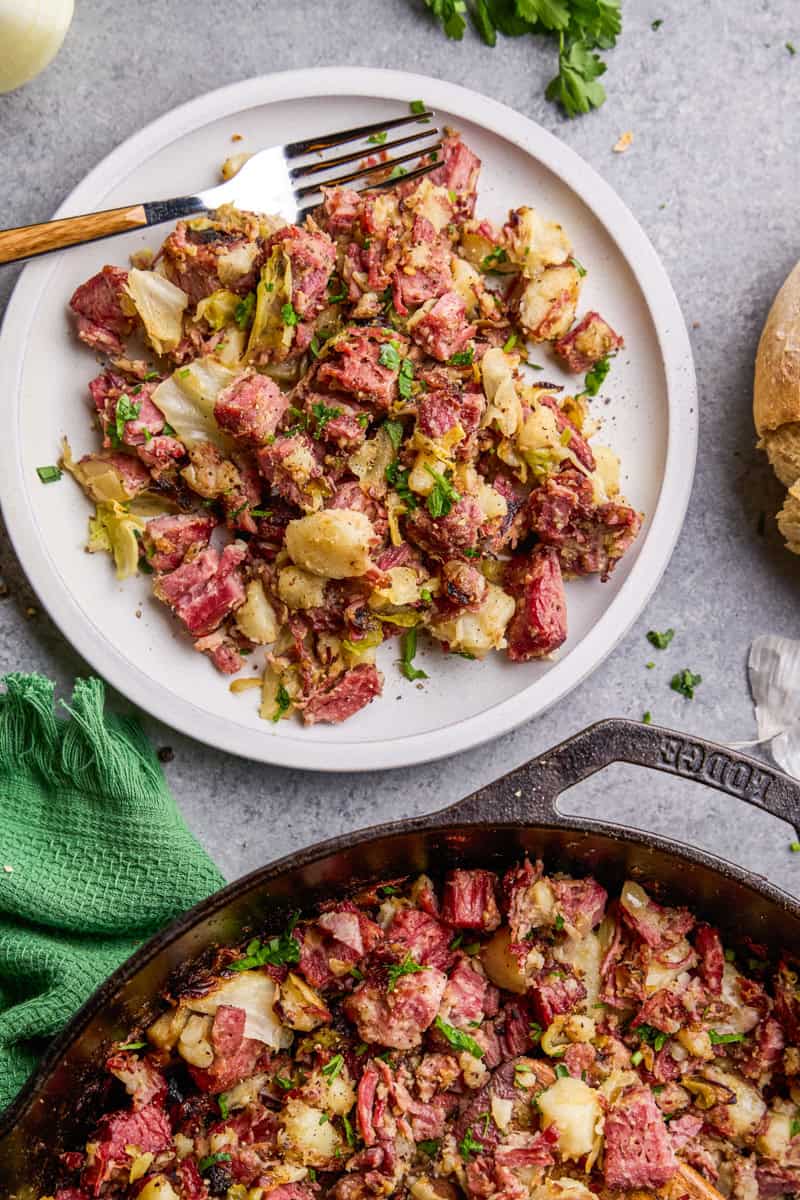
column 94, row 858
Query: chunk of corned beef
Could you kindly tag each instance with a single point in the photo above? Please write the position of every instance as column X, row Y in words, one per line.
column 344, row 429
column 235, row 1056
column 348, row 694
column 352, row 928
column 459, row 174
column 663, row 1010
column 102, row 324
column 291, row 465
column 539, row 624
column 586, row 343
column 141, row 1078
column 425, row 938
column 365, row 1099
column 353, row 365
column 579, row 1058
column 206, row 590
column 160, row 453
column 463, row 587
column 437, row 413
column 554, row 993
column 657, row 926
column 423, row 272
column 787, row 999
column 465, row 996
column 712, row 957
column 70, row 1193
column 638, row 1151
column 192, row 1185
column 288, row 1191
column 684, row 1129
column 436, row 1073
column 133, row 475
column 589, row 538
column 450, row 535
column 341, row 207
column 108, row 391
column 397, row 1018
column 527, row 1149
column 166, row 539
column 469, row 900
column 148, row 1129
column 444, row 329
column 576, row 442
column 223, row 651
column 191, row 259
column 765, row 1050
column 504, row 532
column 518, row 902
column 312, row 255
column 251, row 407
column 774, row 1182
column 581, row 902
column 515, row 1036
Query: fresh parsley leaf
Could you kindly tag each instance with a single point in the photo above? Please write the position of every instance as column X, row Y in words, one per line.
column 408, row 966
column 397, row 172
column 260, row 512
column 288, row 314
column 579, row 267
column 724, row 1039
column 125, row 411
column 659, row 21
column 349, row 1132
column 333, row 1067
column 685, row 682
column 535, row 1031
column 463, row 358
column 450, row 15
column 442, row 495
column 482, row 20
column 790, row 46
column 794, row 1128
column 652, row 1036
column 509, row 343
column 636, row 1058
column 377, row 139
column 151, row 375
column 561, row 1071
column 49, row 474
column 354, row 971
column 575, row 87
column 397, row 476
column 390, row 356
column 794, row 847
column 133, row 1046
column 426, row 595
column 559, row 922
column 430, row 1146
column 595, row 378
column 395, row 432
column 405, row 379
column 276, row 952
column 458, row 1039
column 336, row 290
column 222, row 1101
column 468, row 1144
column 660, row 640
column 283, row 704
column 168, row 431
column 388, row 889
column 243, row 313
column 282, row 1082
column 417, row 107
column 647, row 718
column 322, row 415
column 492, row 260
column 211, row 1160
column 408, row 646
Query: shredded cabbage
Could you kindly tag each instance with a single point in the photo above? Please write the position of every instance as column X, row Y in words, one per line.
column 269, row 332
column 187, row 400
column 255, row 993
column 218, row 309
column 160, row 306
column 98, row 477
column 115, row 530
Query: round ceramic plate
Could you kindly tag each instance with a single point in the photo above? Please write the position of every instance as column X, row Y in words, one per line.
column 647, row 410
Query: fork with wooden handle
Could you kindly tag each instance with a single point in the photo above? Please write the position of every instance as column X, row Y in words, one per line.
column 275, row 181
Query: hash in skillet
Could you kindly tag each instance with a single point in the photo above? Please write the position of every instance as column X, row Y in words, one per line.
column 333, row 441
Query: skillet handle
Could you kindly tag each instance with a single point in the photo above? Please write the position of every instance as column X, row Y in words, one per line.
column 531, row 791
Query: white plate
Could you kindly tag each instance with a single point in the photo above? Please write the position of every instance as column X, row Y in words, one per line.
column 129, row 638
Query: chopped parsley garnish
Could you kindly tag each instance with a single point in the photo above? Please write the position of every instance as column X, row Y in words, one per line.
column 388, row 889
column 397, row 172
column 535, row 1030
column 794, row 1128
column 660, row 640
column 636, row 1057
column 458, row 1039
column 168, row 431
column 211, row 1160
column 283, row 703
column 595, row 378
column 730, row 955
column 724, row 1039
column 324, row 1119
column 322, row 415
column 288, row 314
column 151, row 375
column 349, row 1132
column 469, row 553
column 312, row 1174
column 395, row 432
column 133, row 1046
column 579, row 267
column 49, row 474
column 464, row 358
column 649, row 665
column 408, row 645
column 125, row 411
column 184, row 373
column 354, row 971
column 659, row 21
column 652, row 1036
column 405, row 379
column 647, row 717
column 361, row 1049
column 276, row 952
column 390, row 356
column 334, row 295
column 509, row 343
column 468, row 1144
column 377, row 139
column 790, row 46
column 456, row 942
column 442, row 495
column 794, row 847
column 333, row 1067
column 426, row 595
column 224, row 1111
column 363, row 419
column 243, row 313
column 408, row 966
column 561, row 1071
column 685, row 682
column 397, row 476
column 417, row 107
column 559, row 922
column 492, row 260
column 260, row 512
column 430, row 1146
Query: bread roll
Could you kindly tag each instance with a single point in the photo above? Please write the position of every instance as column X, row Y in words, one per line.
column 776, row 400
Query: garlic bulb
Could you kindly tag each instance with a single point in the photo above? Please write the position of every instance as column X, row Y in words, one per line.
column 31, row 33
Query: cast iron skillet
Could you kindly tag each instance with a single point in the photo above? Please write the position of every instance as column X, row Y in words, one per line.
column 514, row 815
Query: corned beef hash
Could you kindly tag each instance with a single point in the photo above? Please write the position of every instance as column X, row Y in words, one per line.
column 329, row 434
column 514, row 1039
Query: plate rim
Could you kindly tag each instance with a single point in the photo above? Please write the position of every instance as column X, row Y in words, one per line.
column 666, row 520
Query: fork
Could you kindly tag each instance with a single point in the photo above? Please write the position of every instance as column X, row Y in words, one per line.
column 267, row 182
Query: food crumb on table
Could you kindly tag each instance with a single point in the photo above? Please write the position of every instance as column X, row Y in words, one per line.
column 623, row 142
column 166, row 754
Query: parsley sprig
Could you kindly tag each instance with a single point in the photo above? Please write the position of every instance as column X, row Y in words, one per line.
column 276, row 952
column 581, row 27
column 458, row 1039
column 408, row 966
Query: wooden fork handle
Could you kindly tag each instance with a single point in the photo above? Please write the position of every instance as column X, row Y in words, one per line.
column 30, row 240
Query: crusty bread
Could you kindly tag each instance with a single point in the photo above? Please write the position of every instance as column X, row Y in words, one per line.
column 776, row 400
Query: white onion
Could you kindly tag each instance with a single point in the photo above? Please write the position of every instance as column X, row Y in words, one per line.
column 31, row 33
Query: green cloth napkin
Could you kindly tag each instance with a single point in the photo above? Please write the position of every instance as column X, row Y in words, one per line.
column 94, row 858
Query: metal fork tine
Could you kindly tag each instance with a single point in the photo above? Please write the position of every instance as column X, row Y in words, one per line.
column 312, row 145
column 374, row 187
column 364, row 171
column 354, row 155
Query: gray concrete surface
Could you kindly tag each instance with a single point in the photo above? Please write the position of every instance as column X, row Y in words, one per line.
column 711, row 97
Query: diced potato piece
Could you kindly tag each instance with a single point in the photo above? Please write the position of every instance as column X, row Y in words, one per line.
column 775, row 1136
column 165, row 1031
column 431, row 201
column 745, row 1115
column 300, row 589
column 574, row 1108
column 467, row 282
column 335, row 543
column 534, row 244
column 585, row 955
column 301, row 1006
column 501, row 965
column 308, row 1137
column 158, row 1188
column 256, row 617
column 504, row 408
column 404, row 588
column 479, row 632
column 547, row 305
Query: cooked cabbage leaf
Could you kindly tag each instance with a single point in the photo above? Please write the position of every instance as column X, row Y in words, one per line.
column 218, row 309
column 115, row 530
column 160, row 306
column 269, row 333
column 98, row 477
column 187, row 400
